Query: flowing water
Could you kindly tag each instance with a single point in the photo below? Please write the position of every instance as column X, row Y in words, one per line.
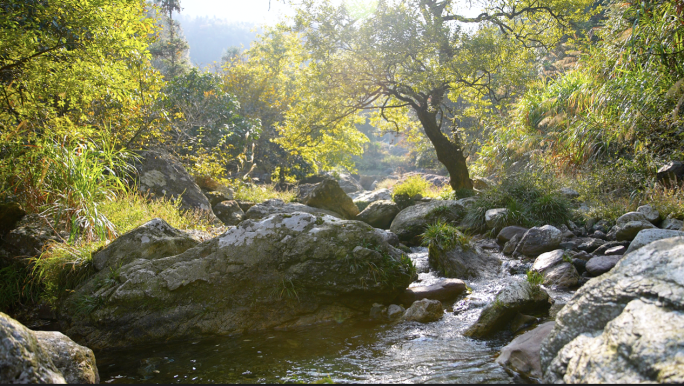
column 352, row 352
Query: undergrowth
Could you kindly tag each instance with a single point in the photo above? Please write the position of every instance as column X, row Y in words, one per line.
column 261, row 193
column 446, row 237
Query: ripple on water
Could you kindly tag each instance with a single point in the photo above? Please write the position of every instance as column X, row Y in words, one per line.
column 352, row 352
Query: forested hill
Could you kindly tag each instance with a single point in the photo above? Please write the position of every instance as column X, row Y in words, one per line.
column 210, row 37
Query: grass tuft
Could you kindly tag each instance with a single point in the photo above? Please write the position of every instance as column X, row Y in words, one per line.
column 446, row 237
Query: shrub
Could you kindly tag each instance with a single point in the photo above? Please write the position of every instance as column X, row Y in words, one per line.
column 446, row 237
column 412, row 186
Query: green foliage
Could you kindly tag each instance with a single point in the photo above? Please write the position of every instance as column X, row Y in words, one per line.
column 261, row 193
column 446, row 237
column 530, row 199
column 535, row 278
column 413, row 186
column 285, row 290
column 15, row 288
column 61, row 268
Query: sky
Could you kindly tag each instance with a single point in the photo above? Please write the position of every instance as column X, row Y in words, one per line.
column 250, row 11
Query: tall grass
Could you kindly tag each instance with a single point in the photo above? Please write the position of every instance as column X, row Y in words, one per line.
column 260, row 193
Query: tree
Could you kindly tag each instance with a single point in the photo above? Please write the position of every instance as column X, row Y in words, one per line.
column 417, row 57
column 170, row 51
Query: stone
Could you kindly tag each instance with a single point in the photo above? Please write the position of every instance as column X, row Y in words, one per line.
column 582, row 255
column 569, row 193
column 379, row 214
column 599, row 235
column 539, row 240
column 411, row 222
column 364, row 199
column 629, row 230
column 624, row 326
column 648, row 236
column 651, row 214
column 215, row 197
column 208, row 185
column 516, row 267
column 463, row 262
column 424, row 311
column 329, row 196
column 602, row 226
column 378, row 312
column 629, row 217
column 672, row 224
column 275, row 206
column 611, row 244
column 42, row 356
column 590, row 244
column 671, row 174
column 348, row 183
column 556, row 271
column 601, row 264
column 155, row 239
column 31, row 234
column 482, row 183
column 507, row 233
column 75, row 362
column 521, row 322
column 518, row 296
column 10, row 214
column 395, row 312
column 616, row 251
column 447, row 289
column 367, row 181
column 512, row 244
column 246, row 205
column 522, row 354
column 163, row 176
column 229, row 212
column 580, row 265
column 493, row 216
column 282, row 271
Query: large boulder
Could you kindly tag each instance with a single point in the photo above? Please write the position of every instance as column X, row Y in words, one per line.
column 275, row 206
column 507, row 233
column 229, row 212
column 671, row 174
column 348, row 183
column 411, row 222
column 379, row 214
column 329, row 196
column 424, row 311
column 163, row 176
column 518, row 297
column 42, row 357
column 650, row 213
column 154, row 239
column 522, row 354
column 445, row 290
column 557, row 272
column 364, row 199
column 285, row 270
column 494, row 216
column 624, row 326
column 463, row 262
column 672, row 224
column 648, row 236
column 538, row 240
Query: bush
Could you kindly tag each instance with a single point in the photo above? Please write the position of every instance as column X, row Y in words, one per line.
column 446, row 237
column 412, row 186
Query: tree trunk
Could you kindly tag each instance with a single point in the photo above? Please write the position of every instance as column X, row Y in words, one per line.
column 449, row 153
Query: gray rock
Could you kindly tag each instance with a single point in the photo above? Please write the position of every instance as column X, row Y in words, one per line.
column 395, row 312
column 601, row 264
column 625, row 326
column 569, row 193
column 211, row 186
column 629, row 230
column 671, row 174
column 348, row 183
column 611, row 244
column 216, row 197
column 512, row 244
column 556, row 271
column 163, row 176
column 482, row 183
column 411, row 222
column 517, row 297
column 364, row 199
column 30, row 236
column 329, row 196
column 590, row 244
column 522, row 354
column 246, row 205
column 493, row 216
column 445, row 290
column 275, row 206
column 463, row 262
column 648, row 236
column 672, row 224
column 75, row 362
column 155, row 239
column 507, row 233
column 629, row 217
column 540, row 240
column 379, row 214
column 425, row 311
column 229, row 212
column 651, row 214
column 283, row 271
column 378, row 312
column 22, row 358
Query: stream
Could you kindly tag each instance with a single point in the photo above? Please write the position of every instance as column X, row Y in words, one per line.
column 359, row 351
